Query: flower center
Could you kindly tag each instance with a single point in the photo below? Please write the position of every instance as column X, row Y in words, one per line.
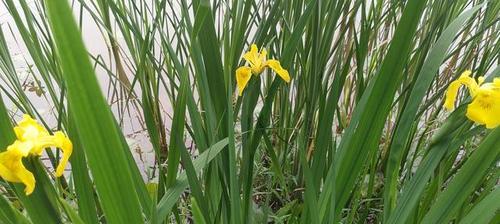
column 31, row 132
column 485, row 102
column 257, row 69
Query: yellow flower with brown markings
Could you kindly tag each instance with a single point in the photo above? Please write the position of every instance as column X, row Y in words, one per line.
column 32, row 139
column 485, row 106
column 257, row 62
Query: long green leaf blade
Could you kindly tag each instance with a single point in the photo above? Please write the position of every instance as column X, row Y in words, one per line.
column 98, row 133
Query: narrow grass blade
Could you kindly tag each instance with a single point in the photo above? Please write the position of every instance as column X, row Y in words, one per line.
column 73, row 216
column 365, row 128
column 442, row 143
column 197, row 214
column 425, row 77
column 485, row 210
column 173, row 193
column 9, row 215
column 466, row 180
column 211, row 58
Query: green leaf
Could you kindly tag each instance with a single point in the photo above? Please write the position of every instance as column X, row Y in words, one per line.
column 10, row 215
column 95, row 123
column 402, row 132
column 485, row 210
column 367, row 123
column 466, row 180
column 197, row 214
column 444, row 143
column 84, row 188
column 73, row 216
column 173, row 193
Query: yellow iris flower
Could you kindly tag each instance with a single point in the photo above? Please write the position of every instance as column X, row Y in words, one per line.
column 485, row 106
column 257, row 63
column 32, row 139
column 12, row 168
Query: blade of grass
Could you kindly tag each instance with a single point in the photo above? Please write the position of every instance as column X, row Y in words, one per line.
column 485, row 210
column 445, row 140
column 84, row 187
column 402, row 132
column 265, row 113
column 370, row 114
column 9, row 215
column 73, row 216
column 173, row 193
column 179, row 151
column 96, row 126
column 466, row 180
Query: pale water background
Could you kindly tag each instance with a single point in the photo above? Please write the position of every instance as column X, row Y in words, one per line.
column 131, row 123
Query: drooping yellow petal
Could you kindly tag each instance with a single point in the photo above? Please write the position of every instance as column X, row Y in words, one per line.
column 12, row 168
column 451, row 95
column 66, row 146
column 470, row 82
column 58, row 140
column 30, row 132
column 452, row 91
column 27, row 179
column 276, row 66
column 243, row 75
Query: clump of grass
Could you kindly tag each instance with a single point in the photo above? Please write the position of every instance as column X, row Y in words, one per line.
column 358, row 135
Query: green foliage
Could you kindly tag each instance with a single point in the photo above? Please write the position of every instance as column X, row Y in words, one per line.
column 358, row 136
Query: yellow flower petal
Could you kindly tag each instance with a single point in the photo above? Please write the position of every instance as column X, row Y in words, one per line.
column 496, row 82
column 66, row 146
column 452, row 91
column 254, row 49
column 255, row 59
column 30, row 132
column 485, row 107
column 258, row 62
column 451, row 95
column 480, row 80
column 252, row 57
column 58, row 140
column 243, row 75
column 27, row 179
column 276, row 66
column 470, row 82
column 29, row 129
column 12, row 168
